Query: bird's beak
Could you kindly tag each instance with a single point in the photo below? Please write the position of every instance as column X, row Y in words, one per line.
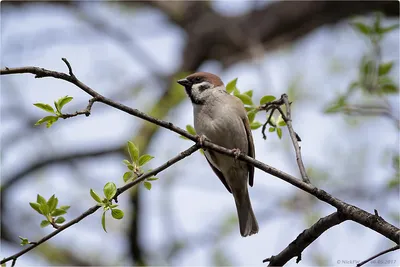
column 184, row 82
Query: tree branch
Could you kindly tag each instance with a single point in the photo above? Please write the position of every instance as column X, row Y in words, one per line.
column 350, row 212
column 93, row 209
column 303, row 240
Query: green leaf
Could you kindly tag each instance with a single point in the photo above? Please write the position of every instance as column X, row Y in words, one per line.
column 231, row 85
column 133, row 152
column 40, row 199
column 387, row 85
column 144, row 159
column 64, row 207
column 117, row 214
column 57, row 107
column 127, row 176
column 152, row 179
column 184, row 138
column 190, row 129
column 52, row 203
column 249, row 93
column 282, row 123
column 271, row 129
column 49, row 119
column 60, row 219
column 147, row 185
column 251, row 115
column 44, row 223
column 45, row 107
column 388, row 29
column 267, row 99
column 95, row 196
column 58, row 212
column 361, row 27
column 126, row 162
column 24, row 241
column 63, row 101
column 279, row 132
column 35, row 206
column 385, row 68
column 113, row 206
column 255, row 125
column 103, row 221
column 130, row 167
column 272, row 120
column 245, row 99
column 44, row 208
column 248, row 108
column 236, row 92
column 110, row 189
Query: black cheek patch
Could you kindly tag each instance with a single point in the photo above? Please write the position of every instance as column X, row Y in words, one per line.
column 203, row 87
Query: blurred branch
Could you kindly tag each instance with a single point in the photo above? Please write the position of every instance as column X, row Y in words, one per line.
column 367, row 110
column 93, row 209
column 379, row 254
column 302, row 241
column 350, row 212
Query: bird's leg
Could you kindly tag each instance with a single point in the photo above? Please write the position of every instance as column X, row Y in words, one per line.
column 201, row 138
column 236, row 152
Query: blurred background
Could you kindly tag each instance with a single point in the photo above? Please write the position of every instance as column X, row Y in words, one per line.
column 133, row 52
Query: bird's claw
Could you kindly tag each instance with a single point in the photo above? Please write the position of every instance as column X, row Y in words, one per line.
column 200, row 140
column 236, row 152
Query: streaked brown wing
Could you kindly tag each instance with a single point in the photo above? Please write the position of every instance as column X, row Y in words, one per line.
column 251, row 150
column 218, row 173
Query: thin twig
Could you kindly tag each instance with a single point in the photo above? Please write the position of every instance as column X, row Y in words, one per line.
column 293, row 136
column 85, row 112
column 379, row 254
column 295, row 248
column 93, row 209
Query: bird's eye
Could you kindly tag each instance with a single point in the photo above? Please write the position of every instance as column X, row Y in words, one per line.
column 198, row 79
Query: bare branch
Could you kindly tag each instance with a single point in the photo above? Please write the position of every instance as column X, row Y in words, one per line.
column 379, row 254
column 303, row 240
column 93, row 209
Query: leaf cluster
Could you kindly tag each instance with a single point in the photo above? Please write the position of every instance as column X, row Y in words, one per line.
column 59, row 104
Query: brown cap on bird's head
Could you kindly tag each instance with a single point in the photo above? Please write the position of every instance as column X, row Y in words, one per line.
column 199, row 77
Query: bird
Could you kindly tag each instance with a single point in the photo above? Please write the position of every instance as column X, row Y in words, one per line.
column 222, row 119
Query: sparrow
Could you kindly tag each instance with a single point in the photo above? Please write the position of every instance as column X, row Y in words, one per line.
column 222, row 119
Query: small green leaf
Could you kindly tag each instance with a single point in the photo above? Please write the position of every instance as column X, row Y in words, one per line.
column 272, row 120
column 282, row 123
column 44, row 208
column 388, row 29
column 251, row 115
column 24, row 241
column 147, row 185
column 266, row 99
column 52, row 203
column 133, row 152
column 35, row 206
column 385, row 68
column 130, row 167
column 144, row 159
column 271, row 129
column 231, row 85
column 255, row 125
column 361, row 27
column 236, row 92
column 45, row 107
column 126, row 162
column 110, row 189
column 60, row 219
column 95, row 196
column 127, row 176
column 40, row 199
column 44, row 223
column 387, row 85
column 49, row 119
column 117, row 214
column 63, row 101
column 57, row 107
column 279, row 132
column 249, row 93
column 58, row 212
column 184, row 138
column 245, row 99
column 190, row 129
column 152, row 179
column 248, row 108
column 64, row 207
column 103, row 221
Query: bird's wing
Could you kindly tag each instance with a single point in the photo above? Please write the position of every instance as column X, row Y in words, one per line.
column 251, row 149
column 216, row 171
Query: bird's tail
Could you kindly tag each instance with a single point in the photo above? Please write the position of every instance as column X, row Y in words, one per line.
column 247, row 220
